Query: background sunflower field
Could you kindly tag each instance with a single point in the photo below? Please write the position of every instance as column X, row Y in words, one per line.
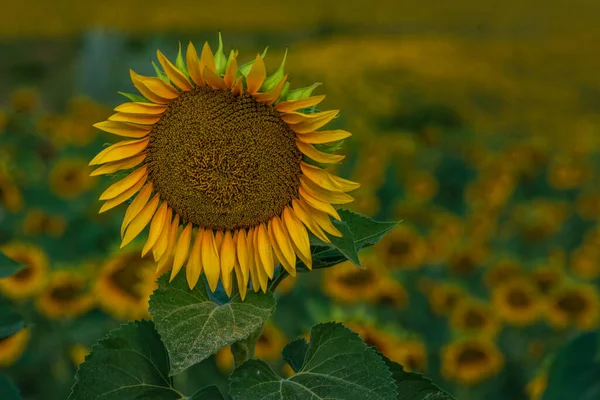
column 476, row 124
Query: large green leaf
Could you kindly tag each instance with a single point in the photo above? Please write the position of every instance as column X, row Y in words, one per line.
column 193, row 327
column 207, row 393
column 8, row 267
column 340, row 246
column 295, row 352
column 366, row 231
column 413, row 386
column 337, row 365
column 575, row 372
column 10, row 321
column 128, row 363
column 8, row 391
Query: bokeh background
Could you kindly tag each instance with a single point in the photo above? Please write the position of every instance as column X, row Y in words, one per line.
column 475, row 123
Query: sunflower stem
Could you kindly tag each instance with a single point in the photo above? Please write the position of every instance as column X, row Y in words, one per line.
column 244, row 349
column 282, row 275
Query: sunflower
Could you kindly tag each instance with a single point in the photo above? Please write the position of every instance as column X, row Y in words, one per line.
column 65, row 295
column 70, row 178
column 568, row 172
column 37, row 222
column 470, row 361
column 227, row 155
column 518, row 302
column 10, row 195
column 411, row 354
column 28, row 280
column 537, row 386
column 388, row 292
column 588, row 205
column 540, row 219
column 270, row 343
column 501, row 271
column 443, row 297
column 24, row 99
column 12, row 347
column 447, row 231
column 224, row 360
column 585, row 261
column 576, row 304
column 125, row 284
column 472, row 316
column 78, row 352
column 547, row 277
column 420, row 186
column 403, row 248
column 350, row 284
column 466, row 259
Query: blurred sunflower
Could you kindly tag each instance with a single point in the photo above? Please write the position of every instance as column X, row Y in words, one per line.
column 518, row 302
column 125, row 284
column 592, row 236
column 366, row 200
column 446, row 233
column 411, row 354
column 24, row 99
column 227, row 154
column 70, row 178
column 78, row 352
column 568, row 172
column 348, row 283
column 420, row 186
column 470, row 361
column 30, row 279
column 547, row 277
column 588, row 206
column 224, row 360
column 539, row 219
column 10, row 195
column 270, row 343
column 66, row 294
column 576, row 304
column 492, row 188
column 585, row 261
column 501, row 271
column 388, row 292
column 537, row 386
column 37, row 222
column 402, row 248
column 12, row 347
column 443, row 297
column 473, row 316
column 466, row 259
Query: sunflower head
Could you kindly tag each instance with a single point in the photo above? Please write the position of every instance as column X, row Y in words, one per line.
column 66, row 294
column 474, row 317
column 501, row 271
column 228, row 168
column 518, row 302
column 30, row 279
column 403, row 248
column 12, row 347
column 585, row 261
column 576, row 305
column 470, row 361
column 443, row 297
column 78, row 352
column 411, row 353
column 10, row 195
column 270, row 343
column 547, row 277
column 70, row 178
column 349, row 284
column 388, row 292
column 38, row 222
column 466, row 259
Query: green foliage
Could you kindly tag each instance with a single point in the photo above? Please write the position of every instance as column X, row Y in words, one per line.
column 302, row 93
column 193, row 326
column 413, row 386
column 337, row 365
column 8, row 266
column 8, row 391
column 10, row 321
column 295, row 352
column 207, row 393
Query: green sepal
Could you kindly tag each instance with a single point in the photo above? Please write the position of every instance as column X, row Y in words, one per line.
column 274, row 79
column 180, row 64
column 302, row 93
column 330, row 148
column 135, row 97
column 284, row 92
column 160, row 74
column 244, row 69
column 231, row 54
column 220, row 61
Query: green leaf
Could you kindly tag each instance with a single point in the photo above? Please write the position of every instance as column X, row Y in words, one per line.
column 8, row 391
column 193, row 327
column 208, row 393
column 366, row 231
column 344, row 245
column 575, row 372
column 338, row 365
column 244, row 69
column 274, row 79
column 220, row 60
column 180, row 64
column 135, row 97
column 160, row 73
column 295, row 352
column 302, row 93
column 284, row 92
column 8, row 266
column 413, row 386
column 11, row 321
column 128, row 363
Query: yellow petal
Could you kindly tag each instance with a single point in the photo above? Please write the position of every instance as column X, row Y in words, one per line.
column 319, row 217
column 213, row 80
column 163, row 239
column 123, row 129
column 278, row 254
column 281, row 242
column 242, row 283
column 293, row 105
column 120, row 151
column 306, row 219
column 313, row 124
column 181, row 250
column 174, row 74
column 242, row 252
column 238, row 87
column 142, row 119
column 261, row 271
column 318, row 204
column 323, row 136
column 344, row 184
column 193, row 65
column 161, row 88
column 252, row 267
column 194, row 265
column 265, row 250
column 228, row 255
column 207, row 58
column 144, row 90
column 218, row 240
column 231, row 72
column 140, row 221
column 141, row 108
column 136, row 206
column 115, row 166
column 319, row 177
column 159, row 223
column 272, row 95
column 324, row 195
column 317, row 155
column 123, row 197
column 256, row 76
column 117, row 188
column 298, row 235
column 166, row 261
column 296, row 117
column 210, row 260
column 263, row 279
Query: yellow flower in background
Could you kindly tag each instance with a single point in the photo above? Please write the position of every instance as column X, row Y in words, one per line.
column 466, row 259
column 13, row 347
column 411, row 354
column 227, row 155
column 588, row 206
column 388, row 292
column 30, row 279
column 124, row 285
column 547, row 277
column 270, row 343
column 443, row 297
column 585, row 261
column 518, row 302
column 224, row 360
column 10, row 194
column 348, row 283
column 501, row 271
column 574, row 305
column 366, row 201
column 420, row 186
column 287, row 286
column 66, row 294
column 38, row 222
column 473, row 316
column 492, row 189
column 592, row 236
column 540, row 218
column 537, row 386
column 402, row 248
column 70, row 178
column 24, row 99
column 568, row 172
column 78, row 352
column 446, row 233
column 470, row 361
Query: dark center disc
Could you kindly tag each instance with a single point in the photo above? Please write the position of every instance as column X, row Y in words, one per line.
column 223, row 161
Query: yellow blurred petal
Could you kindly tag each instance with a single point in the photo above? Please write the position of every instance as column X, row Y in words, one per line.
column 123, row 129
column 193, row 65
column 194, row 265
column 166, row 261
column 306, row 219
column 136, row 206
column 242, row 252
column 256, row 76
column 319, row 217
column 323, row 136
column 317, row 155
column 265, row 251
column 241, row 282
column 142, row 119
column 293, row 105
column 163, row 239
column 212, row 79
column 296, row 117
column 324, row 195
column 161, row 88
column 120, row 151
column 159, row 223
column 207, row 58
column 181, row 250
column 115, row 166
column 144, row 90
column 210, row 260
column 174, row 74
column 272, row 95
column 117, row 188
column 318, row 204
column 312, row 124
column 230, row 73
column 126, row 195
column 238, row 87
column 141, row 108
column 140, row 221
column 298, row 235
column 282, row 245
